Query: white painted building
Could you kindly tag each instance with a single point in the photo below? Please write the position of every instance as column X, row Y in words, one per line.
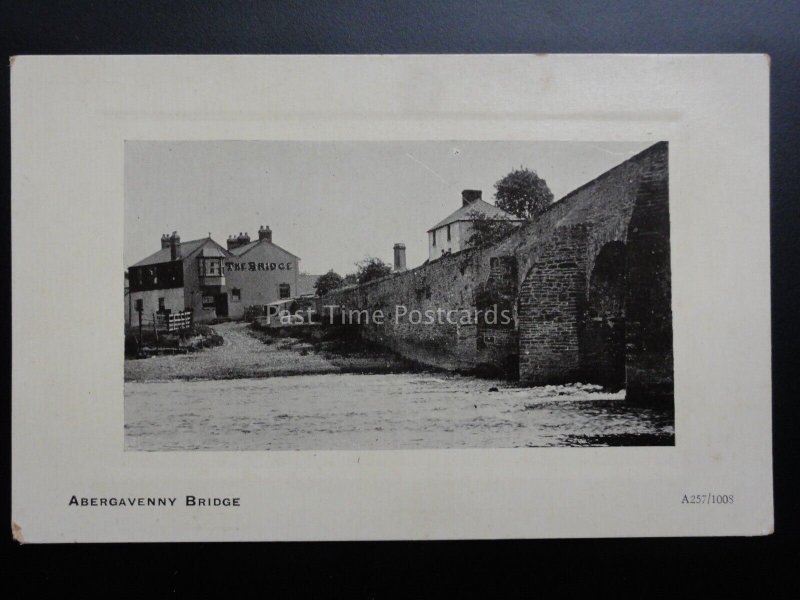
column 452, row 233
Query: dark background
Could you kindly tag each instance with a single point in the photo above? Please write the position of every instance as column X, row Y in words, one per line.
column 525, row 568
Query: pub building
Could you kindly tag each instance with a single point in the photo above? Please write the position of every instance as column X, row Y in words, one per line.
column 259, row 272
column 210, row 280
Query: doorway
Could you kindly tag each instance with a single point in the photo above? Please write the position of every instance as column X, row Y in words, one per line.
column 222, row 305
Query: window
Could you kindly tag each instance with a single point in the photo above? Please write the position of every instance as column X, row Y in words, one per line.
column 161, row 306
column 209, row 302
column 448, row 233
column 433, row 234
column 210, row 267
column 236, row 295
column 284, row 291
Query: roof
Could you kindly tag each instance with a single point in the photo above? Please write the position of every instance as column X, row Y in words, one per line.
column 280, row 302
column 305, row 284
column 241, row 250
column 164, row 255
column 479, row 207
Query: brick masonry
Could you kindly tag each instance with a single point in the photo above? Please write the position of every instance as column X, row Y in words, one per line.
column 450, row 283
column 551, row 307
column 588, row 285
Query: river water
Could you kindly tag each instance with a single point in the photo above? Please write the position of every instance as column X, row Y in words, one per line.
column 361, row 412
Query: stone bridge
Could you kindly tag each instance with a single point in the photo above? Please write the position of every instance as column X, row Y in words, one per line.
column 588, row 285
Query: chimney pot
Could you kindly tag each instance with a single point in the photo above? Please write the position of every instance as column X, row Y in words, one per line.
column 399, row 257
column 175, row 246
column 265, row 233
column 470, row 196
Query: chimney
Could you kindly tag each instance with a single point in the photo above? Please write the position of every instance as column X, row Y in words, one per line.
column 165, row 241
column 175, row 246
column 399, row 257
column 234, row 241
column 265, row 233
column 469, row 196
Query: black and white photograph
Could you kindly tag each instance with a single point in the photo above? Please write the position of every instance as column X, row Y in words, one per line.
column 396, row 295
column 390, row 297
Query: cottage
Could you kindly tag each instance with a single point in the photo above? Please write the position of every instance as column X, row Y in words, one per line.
column 452, row 233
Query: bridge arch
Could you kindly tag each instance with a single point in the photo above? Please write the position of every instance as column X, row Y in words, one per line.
column 602, row 336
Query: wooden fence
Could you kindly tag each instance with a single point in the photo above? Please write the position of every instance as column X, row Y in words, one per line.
column 174, row 321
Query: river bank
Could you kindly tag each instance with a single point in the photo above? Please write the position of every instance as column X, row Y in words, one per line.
column 266, row 390
column 247, row 352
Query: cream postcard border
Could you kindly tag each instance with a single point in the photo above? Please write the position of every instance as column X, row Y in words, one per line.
column 70, row 117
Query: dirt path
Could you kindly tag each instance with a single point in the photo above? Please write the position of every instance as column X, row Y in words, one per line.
column 241, row 356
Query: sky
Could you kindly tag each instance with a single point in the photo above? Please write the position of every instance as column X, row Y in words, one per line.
column 331, row 203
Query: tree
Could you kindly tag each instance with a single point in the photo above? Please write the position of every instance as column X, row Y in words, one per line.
column 523, row 193
column 327, row 282
column 486, row 231
column 371, row 268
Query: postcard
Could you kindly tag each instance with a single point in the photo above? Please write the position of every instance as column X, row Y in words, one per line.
column 390, row 297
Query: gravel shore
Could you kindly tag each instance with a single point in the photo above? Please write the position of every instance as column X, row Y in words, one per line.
column 249, row 354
